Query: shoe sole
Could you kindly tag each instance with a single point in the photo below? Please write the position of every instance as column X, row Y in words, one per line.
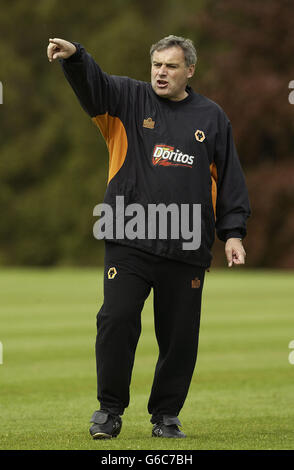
column 183, row 436
column 102, row 435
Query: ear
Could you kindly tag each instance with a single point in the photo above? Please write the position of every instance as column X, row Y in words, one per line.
column 191, row 70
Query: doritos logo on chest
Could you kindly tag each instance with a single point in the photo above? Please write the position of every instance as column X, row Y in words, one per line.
column 168, row 156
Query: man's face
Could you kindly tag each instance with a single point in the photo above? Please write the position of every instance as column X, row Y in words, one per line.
column 170, row 74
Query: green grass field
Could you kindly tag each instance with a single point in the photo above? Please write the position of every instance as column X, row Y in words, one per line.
column 241, row 396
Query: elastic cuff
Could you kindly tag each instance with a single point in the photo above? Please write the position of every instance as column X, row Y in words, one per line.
column 167, row 420
column 111, row 411
column 76, row 56
column 233, row 234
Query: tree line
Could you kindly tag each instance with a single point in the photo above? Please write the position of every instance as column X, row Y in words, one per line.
column 54, row 163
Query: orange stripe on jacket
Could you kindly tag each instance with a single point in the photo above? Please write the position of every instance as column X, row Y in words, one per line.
column 213, row 174
column 116, row 140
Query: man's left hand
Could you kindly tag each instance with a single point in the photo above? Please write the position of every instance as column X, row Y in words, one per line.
column 235, row 252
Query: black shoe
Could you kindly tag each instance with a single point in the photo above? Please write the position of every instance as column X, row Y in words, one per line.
column 105, row 425
column 167, row 426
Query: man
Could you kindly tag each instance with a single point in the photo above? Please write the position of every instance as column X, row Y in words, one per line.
column 172, row 147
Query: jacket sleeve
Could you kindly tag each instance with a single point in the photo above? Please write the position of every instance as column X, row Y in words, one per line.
column 97, row 92
column 232, row 206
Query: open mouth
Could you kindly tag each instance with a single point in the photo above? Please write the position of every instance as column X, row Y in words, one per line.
column 162, row 83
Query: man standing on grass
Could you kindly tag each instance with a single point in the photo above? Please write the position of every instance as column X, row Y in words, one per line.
column 172, row 150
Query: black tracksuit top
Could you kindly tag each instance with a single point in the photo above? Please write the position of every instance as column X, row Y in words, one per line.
column 163, row 151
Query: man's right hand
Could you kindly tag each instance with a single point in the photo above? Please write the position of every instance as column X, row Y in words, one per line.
column 60, row 49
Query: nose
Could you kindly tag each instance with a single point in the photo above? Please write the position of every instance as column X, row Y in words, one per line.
column 162, row 70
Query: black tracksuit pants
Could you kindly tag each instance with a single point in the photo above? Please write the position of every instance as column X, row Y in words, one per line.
column 129, row 276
